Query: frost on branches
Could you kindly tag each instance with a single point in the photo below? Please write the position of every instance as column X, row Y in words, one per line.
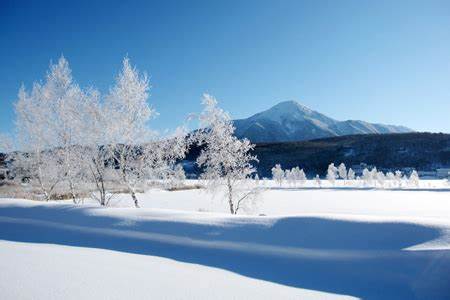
column 127, row 106
column 84, row 143
column 225, row 159
column 47, row 124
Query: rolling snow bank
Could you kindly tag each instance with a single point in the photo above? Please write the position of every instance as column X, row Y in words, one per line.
column 43, row 271
column 312, row 244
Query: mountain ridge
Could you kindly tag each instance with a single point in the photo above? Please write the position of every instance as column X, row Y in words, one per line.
column 292, row 121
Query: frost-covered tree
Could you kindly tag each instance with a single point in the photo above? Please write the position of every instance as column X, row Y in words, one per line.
column 178, row 177
column 161, row 157
column 351, row 174
column 294, row 176
column 278, row 174
column 40, row 169
column 50, row 123
column 373, row 176
column 33, row 117
column 380, row 178
column 290, row 177
column 318, row 181
column 332, row 173
column 257, row 180
column 414, row 179
column 225, row 159
column 64, row 98
column 342, row 170
column 390, row 179
column 367, row 177
column 302, row 176
column 390, row 176
column 404, row 180
column 398, row 178
column 127, row 105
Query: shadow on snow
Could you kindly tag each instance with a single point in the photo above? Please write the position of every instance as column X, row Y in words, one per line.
column 361, row 259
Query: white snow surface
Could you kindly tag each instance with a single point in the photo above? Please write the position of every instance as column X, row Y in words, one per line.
column 309, row 243
column 44, row 271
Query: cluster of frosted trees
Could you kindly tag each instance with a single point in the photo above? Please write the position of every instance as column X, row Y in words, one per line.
column 292, row 177
column 370, row 178
column 77, row 141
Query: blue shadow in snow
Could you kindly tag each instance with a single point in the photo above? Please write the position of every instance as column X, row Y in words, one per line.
column 388, row 272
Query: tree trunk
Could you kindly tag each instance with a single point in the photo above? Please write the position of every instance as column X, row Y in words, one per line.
column 135, row 200
column 102, row 193
column 130, row 189
column 41, row 184
column 72, row 192
column 230, row 197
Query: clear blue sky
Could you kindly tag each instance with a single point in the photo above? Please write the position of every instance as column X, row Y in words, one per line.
column 379, row 61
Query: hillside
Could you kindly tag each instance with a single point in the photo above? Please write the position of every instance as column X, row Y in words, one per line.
column 422, row 151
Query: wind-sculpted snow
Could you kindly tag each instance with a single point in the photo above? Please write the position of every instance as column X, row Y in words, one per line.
column 355, row 257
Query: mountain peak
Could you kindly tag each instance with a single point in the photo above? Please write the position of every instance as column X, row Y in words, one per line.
column 287, row 112
column 292, row 105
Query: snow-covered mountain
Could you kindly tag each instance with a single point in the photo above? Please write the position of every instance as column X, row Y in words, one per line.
column 291, row 121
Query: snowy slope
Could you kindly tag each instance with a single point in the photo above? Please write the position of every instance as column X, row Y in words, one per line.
column 291, row 121
column 44, row 271
column 313, row 243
